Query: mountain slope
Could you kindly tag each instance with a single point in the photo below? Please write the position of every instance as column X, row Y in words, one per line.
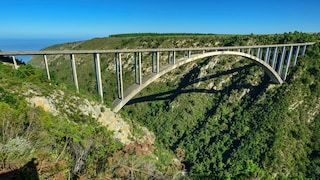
column 47, row 131
column 221, row 116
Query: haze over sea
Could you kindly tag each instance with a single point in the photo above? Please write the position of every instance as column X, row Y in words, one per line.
column 31, row 44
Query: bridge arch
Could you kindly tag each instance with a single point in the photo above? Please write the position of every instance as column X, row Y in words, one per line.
column 136, row 88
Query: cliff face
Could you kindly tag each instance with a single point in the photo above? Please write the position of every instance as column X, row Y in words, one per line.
column 58, row 104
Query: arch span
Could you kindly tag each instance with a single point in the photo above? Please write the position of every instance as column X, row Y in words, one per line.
column 136, row 88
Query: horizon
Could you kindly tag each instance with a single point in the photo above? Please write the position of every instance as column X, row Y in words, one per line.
column 80, row 38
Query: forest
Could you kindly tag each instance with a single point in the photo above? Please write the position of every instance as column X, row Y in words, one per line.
column 221, row 117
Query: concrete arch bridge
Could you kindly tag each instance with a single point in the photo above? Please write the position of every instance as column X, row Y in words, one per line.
column 275, row 60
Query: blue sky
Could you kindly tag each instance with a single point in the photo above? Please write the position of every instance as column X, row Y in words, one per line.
column 86, row 19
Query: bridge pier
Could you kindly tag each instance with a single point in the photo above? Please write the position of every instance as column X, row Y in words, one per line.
column 258, row 53
column 274, row 59
column 296, row 55
column 252, row 52
column 140, row 67
column 266, row 56
column 119, row 75
column 158, row 63
column 281, row 60
column 97, row 68
column 153, row 63
column 137, row 68
column 171, row 58
column 261, row 53
column 304, row 50
column 288, row 63
column 46, row 66
column 74, row 72
column 15, row 66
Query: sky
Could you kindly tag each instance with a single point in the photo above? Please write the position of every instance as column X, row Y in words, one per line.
column 86, row 19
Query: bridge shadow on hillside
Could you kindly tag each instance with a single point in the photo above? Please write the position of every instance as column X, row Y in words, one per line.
column 254, row 92
column 28, row 171
column 186, row 81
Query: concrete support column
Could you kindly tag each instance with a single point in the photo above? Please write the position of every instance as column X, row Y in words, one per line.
column 169, row 57
column 261, row 53
column 269, row 56
column 258, row 52
column 136, row 69
column 266, row 56
column 281, row 60
column 152, row 62
column 296, row 55
column 252, row 52
column 274, row 59
column 304, row 50
column 157, row 63
column 174, row 57
column 189, row 54
column 15, row 66
column 140, row 68
column 46, row 66
column 249, row 50
column 74, row 72
column 288, row 63
column 119, row 75
column 98, row 74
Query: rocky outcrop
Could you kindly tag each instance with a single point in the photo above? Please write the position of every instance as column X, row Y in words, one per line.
column 57, row 103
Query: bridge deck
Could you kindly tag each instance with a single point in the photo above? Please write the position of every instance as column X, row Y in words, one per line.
column 8, row 53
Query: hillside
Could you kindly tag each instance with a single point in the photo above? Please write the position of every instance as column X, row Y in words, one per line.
column 221, row 116
column 50, row 132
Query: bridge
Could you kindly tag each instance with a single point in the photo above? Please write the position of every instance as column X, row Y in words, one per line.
column 275, row 60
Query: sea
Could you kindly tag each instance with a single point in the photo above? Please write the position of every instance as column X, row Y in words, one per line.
column 31, row 44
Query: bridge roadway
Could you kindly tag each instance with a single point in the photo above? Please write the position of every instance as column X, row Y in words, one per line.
column 275, row 59
column 66, row 52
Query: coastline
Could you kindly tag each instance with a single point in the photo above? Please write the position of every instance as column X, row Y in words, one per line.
column 31, row 44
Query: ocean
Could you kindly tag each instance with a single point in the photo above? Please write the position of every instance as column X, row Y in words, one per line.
column 28, row 44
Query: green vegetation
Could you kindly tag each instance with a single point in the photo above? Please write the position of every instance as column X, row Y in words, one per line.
column 57, row 143
column 158, row 34
column 220, row 116
column 37, row 144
